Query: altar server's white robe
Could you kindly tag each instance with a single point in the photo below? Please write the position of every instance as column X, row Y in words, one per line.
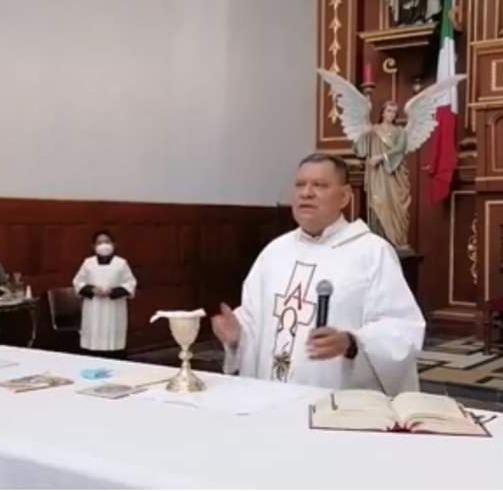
column 371, row 299
column 104, row 320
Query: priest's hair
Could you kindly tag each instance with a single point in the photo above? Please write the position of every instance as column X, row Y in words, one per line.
column 340, row 166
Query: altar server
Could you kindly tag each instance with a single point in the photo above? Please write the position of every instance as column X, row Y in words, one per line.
column 105, row 281
column 375, row 328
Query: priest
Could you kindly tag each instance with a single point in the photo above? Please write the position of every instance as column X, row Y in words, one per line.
column 374, row 328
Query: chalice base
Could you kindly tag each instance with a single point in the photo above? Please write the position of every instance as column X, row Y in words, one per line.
column 185, row 381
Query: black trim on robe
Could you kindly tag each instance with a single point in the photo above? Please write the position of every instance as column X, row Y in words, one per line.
column 104, row 260
column 87, row 291
column 118, row 292
column 115, row 293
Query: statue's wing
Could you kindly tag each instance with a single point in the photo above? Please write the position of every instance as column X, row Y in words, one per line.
column 421, row 111
column 355, row 107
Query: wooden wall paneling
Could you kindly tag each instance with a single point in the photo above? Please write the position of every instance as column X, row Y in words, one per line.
column 376, row 16
column 487, row 108
column 467, row 161
column 464, row 39
column 480, row 18
column 433, row 240
column 490, row 169
column 184, row 256
column 490, row 18
column 491, row 255
column 462, row 249
column 337, row 50
column 488, row 71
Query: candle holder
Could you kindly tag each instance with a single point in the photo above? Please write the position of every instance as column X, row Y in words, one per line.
column 368, row 88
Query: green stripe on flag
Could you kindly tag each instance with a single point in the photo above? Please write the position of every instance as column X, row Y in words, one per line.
column 447, row 30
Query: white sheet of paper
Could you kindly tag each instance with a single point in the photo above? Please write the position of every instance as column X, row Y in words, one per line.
column 144, row 377
column 7, row 363
column 239, row 397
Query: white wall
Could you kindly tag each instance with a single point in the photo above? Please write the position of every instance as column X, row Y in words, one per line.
column 200, row 101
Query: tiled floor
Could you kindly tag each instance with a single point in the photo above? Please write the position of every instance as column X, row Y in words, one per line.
column 459, row 368
column 453, row 367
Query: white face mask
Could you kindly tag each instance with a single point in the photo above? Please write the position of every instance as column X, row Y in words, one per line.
column 104, row 249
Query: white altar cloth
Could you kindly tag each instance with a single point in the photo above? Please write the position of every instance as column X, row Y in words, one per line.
column 56, row 438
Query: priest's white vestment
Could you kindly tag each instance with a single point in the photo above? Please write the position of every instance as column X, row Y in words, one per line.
column 370, row 299
column 104, row 320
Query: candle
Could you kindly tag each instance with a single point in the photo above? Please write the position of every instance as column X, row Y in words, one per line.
column 368, row 73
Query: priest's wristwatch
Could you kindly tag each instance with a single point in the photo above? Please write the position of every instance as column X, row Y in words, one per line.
column 352, row 350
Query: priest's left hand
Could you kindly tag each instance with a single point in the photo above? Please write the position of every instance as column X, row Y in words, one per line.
column 326, row 342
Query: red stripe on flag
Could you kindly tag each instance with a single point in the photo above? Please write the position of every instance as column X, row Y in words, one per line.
column 444, row 154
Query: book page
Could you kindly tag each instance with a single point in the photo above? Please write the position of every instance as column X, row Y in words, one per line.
column 417, row 405
column 355, row 410
column 449, row 427
column 368, row 400
column 435, row 414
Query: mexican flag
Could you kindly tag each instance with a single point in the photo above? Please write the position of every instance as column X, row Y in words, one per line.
column 444, row 138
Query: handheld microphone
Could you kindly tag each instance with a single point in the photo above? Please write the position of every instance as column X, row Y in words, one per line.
column 324, row 289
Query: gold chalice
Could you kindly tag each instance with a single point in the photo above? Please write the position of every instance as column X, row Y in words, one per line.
column 185, row 327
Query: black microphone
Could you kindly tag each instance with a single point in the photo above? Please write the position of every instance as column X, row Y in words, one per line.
column 324, row 289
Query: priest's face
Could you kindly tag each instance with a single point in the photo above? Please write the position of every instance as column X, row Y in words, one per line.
column 320, row 196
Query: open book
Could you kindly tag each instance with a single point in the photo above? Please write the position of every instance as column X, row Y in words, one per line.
column 413, row 412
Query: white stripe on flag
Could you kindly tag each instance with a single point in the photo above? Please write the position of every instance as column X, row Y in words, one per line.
column 447, row 68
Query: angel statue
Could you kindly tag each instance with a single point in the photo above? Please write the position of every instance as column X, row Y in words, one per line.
column 384, row 145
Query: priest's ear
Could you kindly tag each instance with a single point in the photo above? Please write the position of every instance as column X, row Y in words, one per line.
column 346, row 195
column 340, row 189
column 342, row 171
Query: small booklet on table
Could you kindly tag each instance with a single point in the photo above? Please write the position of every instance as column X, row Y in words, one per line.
column 412, row 412
column 34, row 382
column 110, row 391
column 129, row 383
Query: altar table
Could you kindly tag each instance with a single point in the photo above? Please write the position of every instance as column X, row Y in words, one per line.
column 59, row 439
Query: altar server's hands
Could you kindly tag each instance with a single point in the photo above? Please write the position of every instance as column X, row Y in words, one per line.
column 101, row 292
column 226, row 326
column 326, row 342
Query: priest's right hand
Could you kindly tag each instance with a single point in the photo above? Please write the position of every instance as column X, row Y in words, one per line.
column 226, row 326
